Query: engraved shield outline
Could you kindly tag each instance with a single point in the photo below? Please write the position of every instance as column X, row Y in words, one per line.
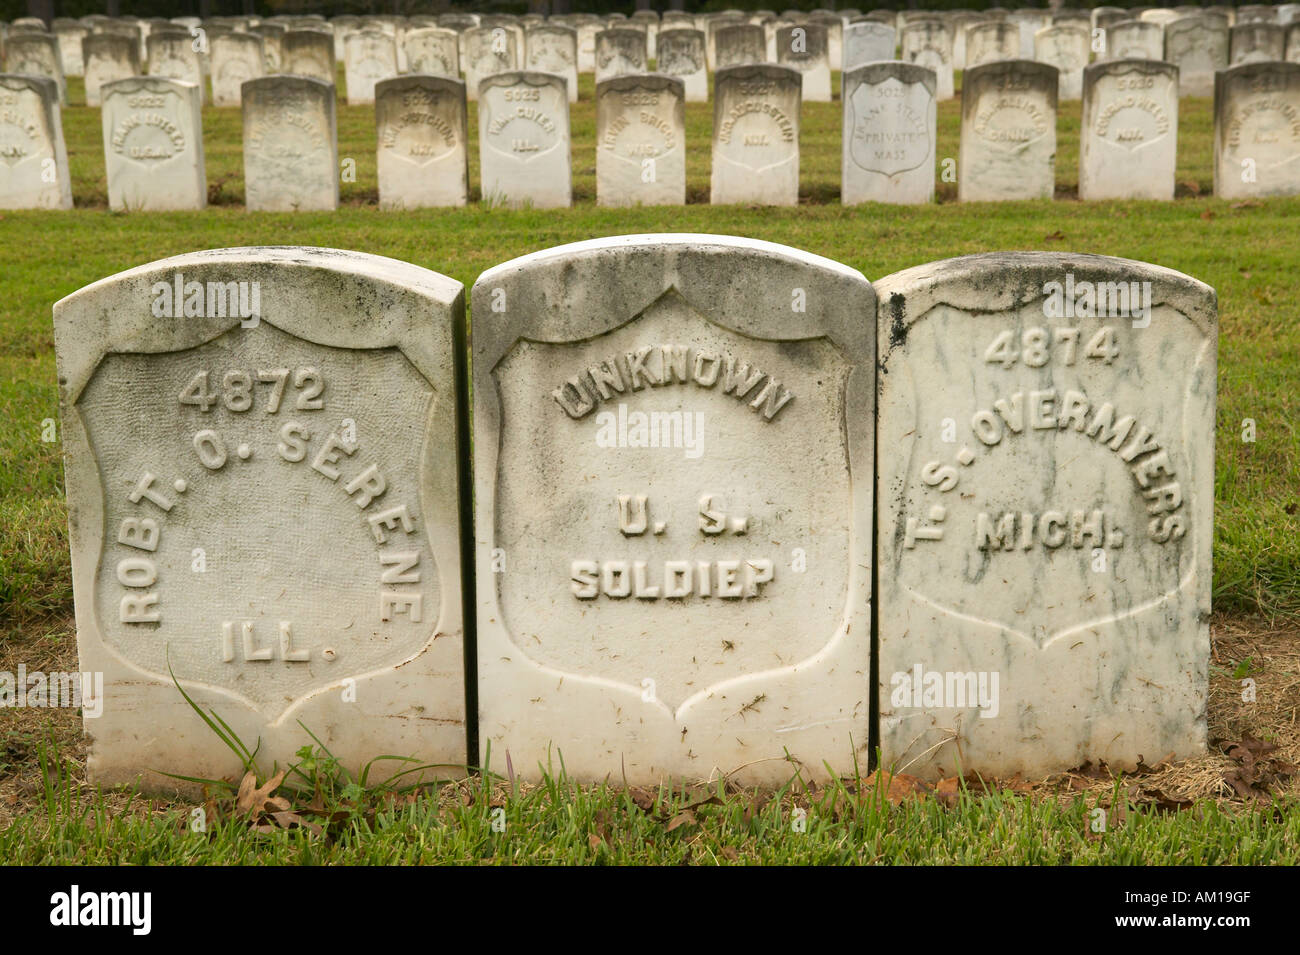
column 444, row 86
column 861, row 93
column 1165, row 72
column 526, row 78
column 687, row 264
column 758, row 72
column 86, row 332
column 1186, row 296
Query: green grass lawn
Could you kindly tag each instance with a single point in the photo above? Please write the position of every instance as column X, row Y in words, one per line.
column 1248, row 251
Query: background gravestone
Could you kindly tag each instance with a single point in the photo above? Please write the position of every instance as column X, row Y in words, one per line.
column 991, row 41
column 36, row 54
column 291, row 150
column 868, row 42
column 33, row 158
column 740, row 44
column 488, row 51
column 108, row 57
column 554, row 49
column 308, row 53
column 523, row 122
column 1256, row 43
column 620, row 51
column 640, row 141
column 432, row 50
column 681, row 54
column 171, row 55
column 1008, row 132
column 265, row 506
column 889, row 134
column 646, row 622
column 1135, row 40
column 153, row 144
column 423, row 153
column 927, row 43
column 803, row 48
column 236, row 59
column 369, row 56
column 1128, row 147
column 1043, row 548
column 1257, row 130
column 1066, row 47
column 1198, row 46
column 756, row 135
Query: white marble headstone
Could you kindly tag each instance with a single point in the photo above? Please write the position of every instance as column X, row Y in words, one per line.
column 291, row 153
column 308, row 53
column 868, row 42
column 1256, row 43
column 523, row 121
column 36, row 54
column 432, row 50
column 1044, row 542
column 682, row 54
column 487, row 51
column 927, row 43
column 692, row 601
column 33, row 158
column 803, row 48
column 1128, row 147
column 1008, row 132
column 1066, row 47
column 991, row 41
column 423, row 154
column 108, row 57
column 889, row 134
column 1198, row 46
column 756, row 135
column 153, row 144
column 640, row 141
column 260, row 460
column 554, row 49
column 1135, row 40
column 236, row 59
column 1257, row 130
column 620, row 51
column 368, row 57
column 172, row 55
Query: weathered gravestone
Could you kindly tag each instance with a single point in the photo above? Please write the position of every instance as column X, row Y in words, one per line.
column 991, row 41
column 433, row 51
column 260, row 458
column 693, row 597
column 1256, row 43
column 868, row 42
column 681, row 54
column 740, row 44
column 291, row 152
column 271, row 35
column 619, row 52
column 803, row 48
column 587, row 30
column 1198, row 46
column 926, row 43
column 640, row 141
column 1135, row 40
column 70, row 33
column 554, row 49
column 1066, row 47
column 523, row 123
column 488, row 51
column 1128, row 146
column 1257, row 130
column 368, row 57
column 756, row 135
column 236, row 59
column 171, row 55
column 713, row 25
column 153, row 144
column 889, row 134
column 1293, row 43
column 308, row 53
column 33, row 157
column 1044, row 543
column 36, row 54
column 108, row 57
column 423, row 154
column 1008, row 132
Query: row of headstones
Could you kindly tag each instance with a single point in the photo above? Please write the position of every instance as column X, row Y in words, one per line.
column 1199, row 44
column 667, row 564
column 154, row 158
